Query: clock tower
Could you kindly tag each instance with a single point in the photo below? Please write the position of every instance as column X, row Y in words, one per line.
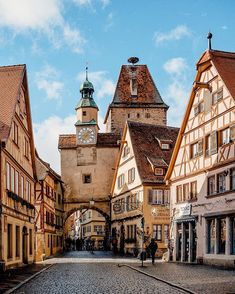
column 87, row 115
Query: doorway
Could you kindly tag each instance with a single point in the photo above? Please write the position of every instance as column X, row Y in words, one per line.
column 25, row 245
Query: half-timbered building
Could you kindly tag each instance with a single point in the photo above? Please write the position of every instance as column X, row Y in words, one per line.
column 17, row 166
column 140, row 198
column 202, row 170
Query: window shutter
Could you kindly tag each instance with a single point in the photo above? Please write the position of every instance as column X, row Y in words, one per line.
column 213, row 142
column 150, row 196
column 232, row 133
column 207, row 100
column 200, row 147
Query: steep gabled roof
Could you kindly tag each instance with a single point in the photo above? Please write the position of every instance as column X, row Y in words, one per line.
column 43, row 168
column 224, row 63
column 147, row 92
column 147, row 150
column 11, row 78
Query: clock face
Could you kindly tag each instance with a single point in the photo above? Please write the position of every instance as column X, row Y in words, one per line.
column 86, row 136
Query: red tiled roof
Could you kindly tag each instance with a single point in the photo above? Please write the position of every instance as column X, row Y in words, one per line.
column 10, row 83
column 103, row 140
column 146, row 148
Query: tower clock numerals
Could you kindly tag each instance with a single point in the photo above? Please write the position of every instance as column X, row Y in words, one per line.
column 86, row 136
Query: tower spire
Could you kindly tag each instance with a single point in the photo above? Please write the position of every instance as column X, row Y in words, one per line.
column 86, row 73
column 209, row 37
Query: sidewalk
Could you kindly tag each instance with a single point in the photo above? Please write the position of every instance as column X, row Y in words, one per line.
column 12, row 277
column 198, row 278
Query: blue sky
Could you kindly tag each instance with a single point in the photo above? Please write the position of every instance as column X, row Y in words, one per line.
column 56, row 38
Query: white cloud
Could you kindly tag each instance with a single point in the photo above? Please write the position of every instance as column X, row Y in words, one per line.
column 103, row 85
column 90, row 3
column 176, row 66
column 109, row 21
column 47, row 80
column 41, row 17
column 46, row 136
column 175, row 34
column 177, row 92
column 224, row 27
column 105, row 3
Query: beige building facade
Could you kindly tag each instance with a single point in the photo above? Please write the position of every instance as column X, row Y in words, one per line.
column 18, row 172
column 202, row 170
column 139, row 195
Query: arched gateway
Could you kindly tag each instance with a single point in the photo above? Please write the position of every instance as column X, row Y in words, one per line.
column 88, row 160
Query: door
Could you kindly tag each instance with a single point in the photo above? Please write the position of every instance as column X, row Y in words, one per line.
column 122, row 239
column 25, row 245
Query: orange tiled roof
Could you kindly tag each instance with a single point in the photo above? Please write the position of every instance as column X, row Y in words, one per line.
column 146, row 148
column 10, row 83
column 224, row 62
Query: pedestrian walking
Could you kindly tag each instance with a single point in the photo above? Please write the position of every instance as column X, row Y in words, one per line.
column 152, row 249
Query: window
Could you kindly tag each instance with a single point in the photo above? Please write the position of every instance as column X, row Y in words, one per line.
column 157, row 232
column 211, row 185
column 155, row 196
column 197, row 149
column 225, row 136
column 232, row 133
column 84, row 113
column 15, row 133
column 138, row 115
column 147, row 115
column 213, row 143
column 159, row 171
column 30, row 241
column 165, row 146
column 179, row 195
column 185, row 192
column 27, row 190
column 233, row 235
column 193, row 192
column 131, row 232
column 199, row 108
column 126, row 150
column 217, row 96
column 133, row 86
column 208, row 145
column 221, row 182
column 131, row 175
column 166, row 233
column 17, row 182
column 9, row 241
column 26, row 148
column 87, row 179
column 128, row 115
column 22, row 186
column 166, row 196
column 132, row 202
column 17, row 241
column 232, row 179
column 211, row 236
column 222, row 235
column 12, row 179
column 98, row 229
column 121, row 180
column 8, row 176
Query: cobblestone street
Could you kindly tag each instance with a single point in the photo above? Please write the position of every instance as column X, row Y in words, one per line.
column 83, row 272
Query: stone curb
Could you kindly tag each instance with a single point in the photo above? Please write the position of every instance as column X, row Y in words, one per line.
column 27, row 280
column 158, row 279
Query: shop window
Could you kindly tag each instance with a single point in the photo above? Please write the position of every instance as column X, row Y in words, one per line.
column 17, row 241
column 211, row 185
column 232, row 179
column 211, row 236
column 221, row 182
column 157, row 232
column 222, row 235
column 86, row 178
column 179, row 195
column 9, row 241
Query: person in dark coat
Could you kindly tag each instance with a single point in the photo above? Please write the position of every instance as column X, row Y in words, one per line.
column 152, row 249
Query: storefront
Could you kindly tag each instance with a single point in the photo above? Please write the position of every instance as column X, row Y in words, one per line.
column 184, row 234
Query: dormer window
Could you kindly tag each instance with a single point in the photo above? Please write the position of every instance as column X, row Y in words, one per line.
column 158, row 171
column 165, row 146
column 133, row 86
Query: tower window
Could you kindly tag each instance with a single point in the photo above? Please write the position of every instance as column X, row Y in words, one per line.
column 84, row 113
column 87, row 178
column 138, row 115
column 147, row 115
column 128, row 115
column 133, row 86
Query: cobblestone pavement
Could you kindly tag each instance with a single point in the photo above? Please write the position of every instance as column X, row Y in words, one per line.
column 94, row 279
column 198, row 278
